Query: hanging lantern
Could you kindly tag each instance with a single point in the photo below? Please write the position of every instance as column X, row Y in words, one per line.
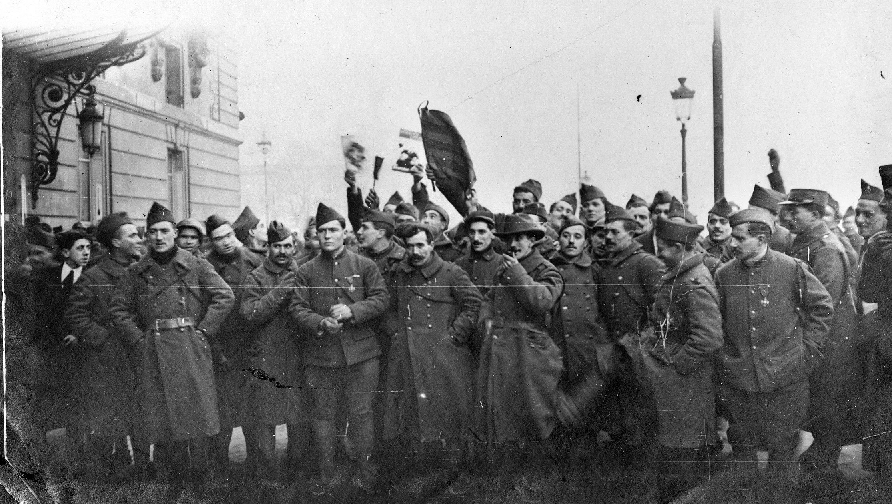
column 90, row 127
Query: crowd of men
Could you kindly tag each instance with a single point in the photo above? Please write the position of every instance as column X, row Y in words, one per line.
column 410, row 343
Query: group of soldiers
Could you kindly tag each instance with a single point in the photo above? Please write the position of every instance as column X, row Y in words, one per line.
column 412, row 341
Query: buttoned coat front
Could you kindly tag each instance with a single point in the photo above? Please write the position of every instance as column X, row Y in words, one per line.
column 578, row 327
column 520, row 364
column 179, row 399
column 109, row 377
column 279, row 394
column 628, row 283
column 481, row 268
column 326, row 281
column 776, row 315
column 430, row 371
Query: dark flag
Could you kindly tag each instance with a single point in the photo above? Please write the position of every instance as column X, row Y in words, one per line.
column 447, row 155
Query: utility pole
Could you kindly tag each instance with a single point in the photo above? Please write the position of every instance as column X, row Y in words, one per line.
column 717, row 51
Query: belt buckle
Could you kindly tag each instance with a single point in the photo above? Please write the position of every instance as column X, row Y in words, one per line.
column 181, row 321
column 156, row 325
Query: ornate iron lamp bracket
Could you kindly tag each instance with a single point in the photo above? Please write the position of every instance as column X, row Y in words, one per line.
column 54, row 88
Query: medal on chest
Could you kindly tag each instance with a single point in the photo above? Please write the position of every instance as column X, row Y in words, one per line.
column 765, row 291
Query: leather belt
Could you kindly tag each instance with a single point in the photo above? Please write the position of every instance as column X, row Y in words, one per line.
column 173, row 323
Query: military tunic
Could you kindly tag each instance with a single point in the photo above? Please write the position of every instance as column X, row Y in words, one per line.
column 178, row 396
column 520, row 365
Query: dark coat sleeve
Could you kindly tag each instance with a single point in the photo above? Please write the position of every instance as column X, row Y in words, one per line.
column 355, row 207
column 261, row 304
column 467, row 297
column 830, row 268
column 705, row 328
column 220, row 298
column 538, row 295
column 650, row 269
column 816, row 307
column 420, row 198
column 124, row 308
column 299, row 307
column 376, row 300
column 79, row 315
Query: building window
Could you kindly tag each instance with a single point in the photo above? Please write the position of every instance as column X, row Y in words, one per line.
column 177, row 180
column 174, row 74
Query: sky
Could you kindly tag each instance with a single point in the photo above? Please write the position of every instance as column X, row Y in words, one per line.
column 811, row 79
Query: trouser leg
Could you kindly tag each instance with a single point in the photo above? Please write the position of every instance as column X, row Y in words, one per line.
column 324, row 385
column 301, row 450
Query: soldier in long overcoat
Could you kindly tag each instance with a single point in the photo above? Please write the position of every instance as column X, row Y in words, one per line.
column 833, row 417
column 628, row 280
column 110, row 377
column 430, row 374
column 278, row 392
column 678, row 358
column 520, row 365
column 233, row 262
column 578, row 327
column 169, row 307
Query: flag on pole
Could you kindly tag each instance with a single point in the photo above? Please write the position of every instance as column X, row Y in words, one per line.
column 447, row 155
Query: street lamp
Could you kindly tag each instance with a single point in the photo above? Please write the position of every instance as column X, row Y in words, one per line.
column 264, row 145
column 682, row 97
column 90, row 125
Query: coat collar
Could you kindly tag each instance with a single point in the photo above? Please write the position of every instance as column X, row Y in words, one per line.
column 683, row 267
column 622, row 256
column 533, row 260
column 275, row 269
column 487, row 255
column 819, row 231
column 428, row 270
column 392, row 251
column 583, row 260
column 183, row 261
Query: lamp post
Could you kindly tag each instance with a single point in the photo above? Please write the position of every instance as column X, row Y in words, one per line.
column 682, row 97
column 264, row 145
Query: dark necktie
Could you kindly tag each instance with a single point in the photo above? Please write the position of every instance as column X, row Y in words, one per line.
column 68, row 282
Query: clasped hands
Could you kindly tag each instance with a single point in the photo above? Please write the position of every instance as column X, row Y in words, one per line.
column 338, row 315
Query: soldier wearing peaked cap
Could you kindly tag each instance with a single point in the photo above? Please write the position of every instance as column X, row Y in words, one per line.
column 875, row 332
column 639, row 209
column 233, row 262
column 250, row 231
column 578, row 327
column 776, row 315
column 168, row 308
column 716, row 244
column 678, row 366
column 660, row 207
column 769, row 200
column 870, row 218
column 519, row 365
column 525, row 193
column 592, row 205
column 278, row 394
column 629, row 279
column 337, row 301
column 430, row 386
column 833, row 401
column 436, row 217
column 111, row 411
column 482, row 260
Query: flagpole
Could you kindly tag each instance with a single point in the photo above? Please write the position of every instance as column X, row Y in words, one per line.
column 579, row 176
